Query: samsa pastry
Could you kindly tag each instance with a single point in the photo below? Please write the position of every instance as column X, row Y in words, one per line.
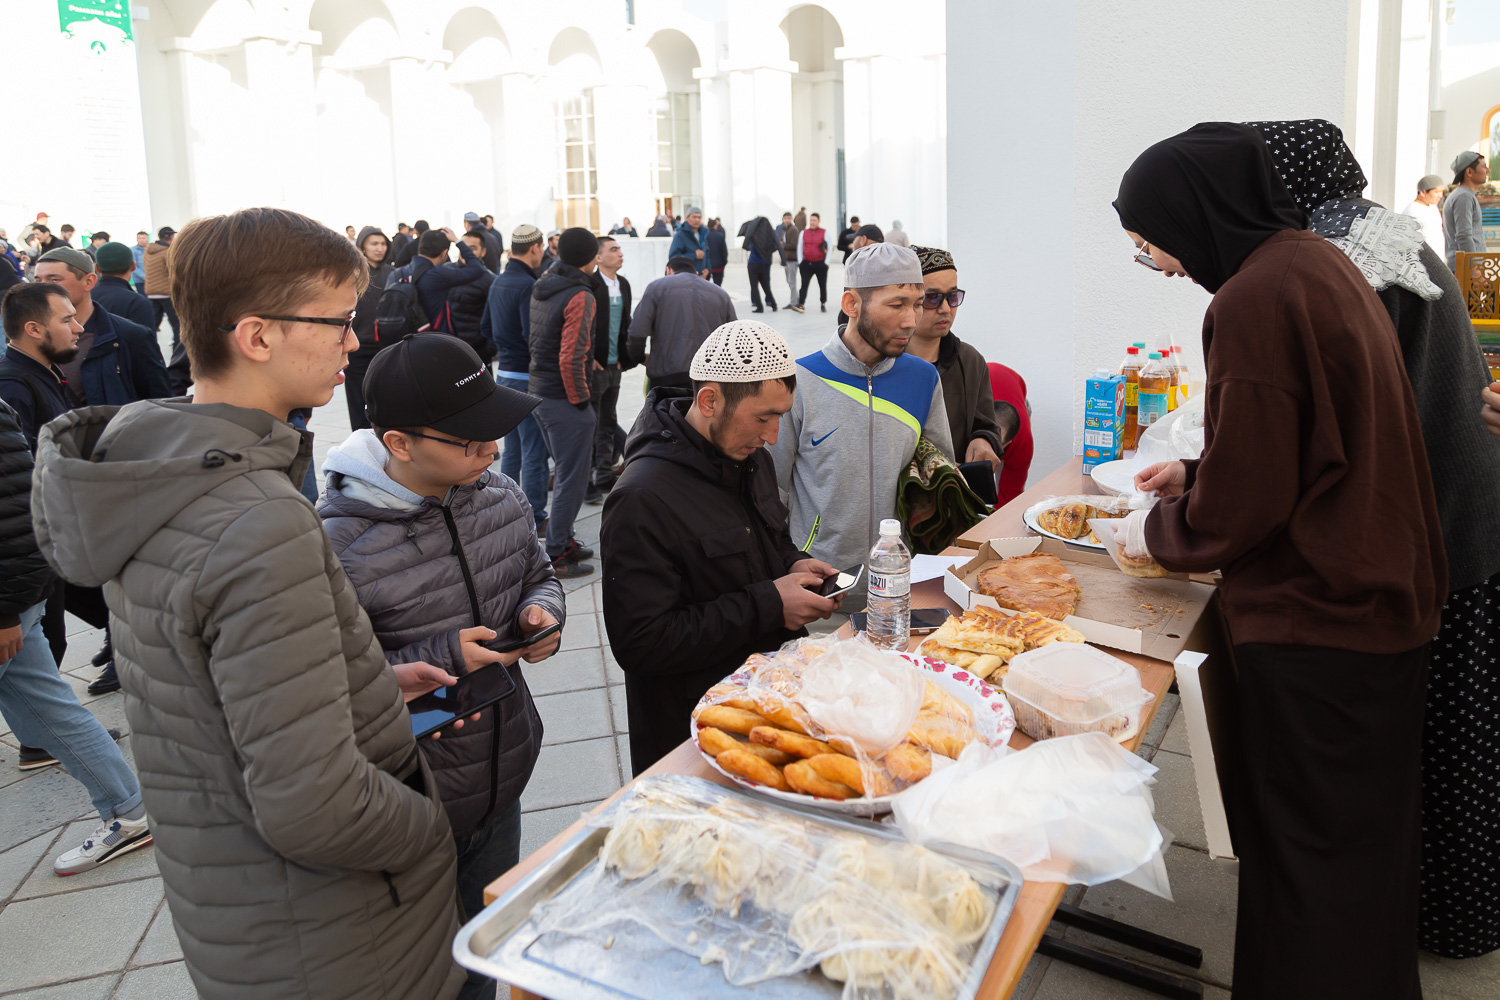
column 1068, row 520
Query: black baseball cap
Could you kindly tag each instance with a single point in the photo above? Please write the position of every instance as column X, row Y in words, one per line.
column 434, row 380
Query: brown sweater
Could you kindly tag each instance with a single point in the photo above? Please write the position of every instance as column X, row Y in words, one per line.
column 1313, row 493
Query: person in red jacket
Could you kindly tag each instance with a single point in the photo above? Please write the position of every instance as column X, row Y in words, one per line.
column 812, row 261
column 1009, row 387
column 1314, row 498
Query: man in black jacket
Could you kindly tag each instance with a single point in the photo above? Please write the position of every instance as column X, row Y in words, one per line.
column 611, row 326
column 115, row 292
column 699, row 569
column 466, row 302
column 377, row 251
column 494, row 251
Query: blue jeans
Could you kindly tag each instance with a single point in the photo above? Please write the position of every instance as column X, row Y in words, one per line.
column 523, row 457
column 44, row 712
column 484, row 856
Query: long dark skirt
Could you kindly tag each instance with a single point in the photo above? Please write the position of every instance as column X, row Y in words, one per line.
column 1327, row 825
column 1461, row 780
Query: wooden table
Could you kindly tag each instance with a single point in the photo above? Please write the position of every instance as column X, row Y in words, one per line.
column 1037, row 901
column 1067, row 480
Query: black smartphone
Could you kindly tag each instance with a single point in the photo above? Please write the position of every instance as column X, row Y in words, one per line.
column 923, row 620
column 521, row 642
column 475, row 690
column 841, row 582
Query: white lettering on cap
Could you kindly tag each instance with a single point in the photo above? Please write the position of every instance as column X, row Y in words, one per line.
column 468, row 378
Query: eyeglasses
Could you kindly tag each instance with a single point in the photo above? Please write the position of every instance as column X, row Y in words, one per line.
column 1143, row 257
column 471, row 448
column 932, row 300
column 346, row 322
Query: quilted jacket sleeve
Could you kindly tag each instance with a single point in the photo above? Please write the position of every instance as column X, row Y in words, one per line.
column 277, row 659
column 24, row 574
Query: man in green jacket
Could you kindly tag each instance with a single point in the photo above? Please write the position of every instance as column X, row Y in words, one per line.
column 303, row 848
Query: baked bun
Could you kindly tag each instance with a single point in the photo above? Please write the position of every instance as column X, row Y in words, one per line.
column 1067, row 521
column 1144, row 567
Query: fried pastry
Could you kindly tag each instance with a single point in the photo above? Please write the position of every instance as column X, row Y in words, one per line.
column 1066, row 521
column 804, row 779
column 909, row 763
column 748, row 765
column 941, row 735
column 865, row 778
column 715, row 741
column 731, row 720
column 792, row 743
column 1037, row 582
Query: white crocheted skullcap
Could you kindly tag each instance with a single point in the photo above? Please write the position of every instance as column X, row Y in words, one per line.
column 742, row 351
column 878, row 264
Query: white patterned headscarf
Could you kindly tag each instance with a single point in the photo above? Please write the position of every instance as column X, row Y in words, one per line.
column 1326, row 181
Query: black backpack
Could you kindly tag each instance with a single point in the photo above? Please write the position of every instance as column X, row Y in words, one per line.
column 399, row 311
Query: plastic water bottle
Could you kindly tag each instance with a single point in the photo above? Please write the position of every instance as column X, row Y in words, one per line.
column 889, row 607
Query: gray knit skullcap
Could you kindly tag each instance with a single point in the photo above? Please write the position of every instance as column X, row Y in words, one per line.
column 879, row 264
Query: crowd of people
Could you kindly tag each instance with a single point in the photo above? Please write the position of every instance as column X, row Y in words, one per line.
column 267, row 627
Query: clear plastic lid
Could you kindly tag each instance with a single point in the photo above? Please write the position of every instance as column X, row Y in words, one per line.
column 1073, row 682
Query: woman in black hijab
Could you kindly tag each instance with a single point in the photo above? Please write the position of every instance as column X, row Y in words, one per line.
column 1460, row 911
column 1314, row 498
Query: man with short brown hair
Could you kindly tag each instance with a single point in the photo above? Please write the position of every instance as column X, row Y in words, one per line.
column 304, row 851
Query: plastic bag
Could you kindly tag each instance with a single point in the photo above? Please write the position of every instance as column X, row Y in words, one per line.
column 768, row 893
column 835, row 719
column 1176, row 436
column 1076, row 809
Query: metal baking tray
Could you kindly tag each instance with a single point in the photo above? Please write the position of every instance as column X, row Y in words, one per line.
column 502, row 941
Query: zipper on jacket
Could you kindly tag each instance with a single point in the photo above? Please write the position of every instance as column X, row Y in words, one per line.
column 458, row 550
column 870, row 438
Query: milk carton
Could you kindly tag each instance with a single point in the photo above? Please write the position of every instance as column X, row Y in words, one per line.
column 1103, row 419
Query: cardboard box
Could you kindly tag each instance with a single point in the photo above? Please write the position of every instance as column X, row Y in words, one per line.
column 1103, row 421
column 1152, row 617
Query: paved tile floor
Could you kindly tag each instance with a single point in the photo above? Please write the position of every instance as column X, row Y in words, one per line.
column 107, row 935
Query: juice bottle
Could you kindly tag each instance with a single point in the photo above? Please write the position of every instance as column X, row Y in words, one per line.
column 1155, row 385
column 1170, row 363
column 1184, row 379
column 1131, row 370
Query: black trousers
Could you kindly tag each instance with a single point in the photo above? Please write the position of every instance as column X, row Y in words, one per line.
column 810, row 269
column 1327, row 823
column 354, row 391
column 760, row 277
column 660, row 711
column 605, row 387
column 165, row 307
column 716, row 275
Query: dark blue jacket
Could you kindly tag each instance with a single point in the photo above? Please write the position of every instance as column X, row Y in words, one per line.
column 116, row 296
column 435, row 283
column 124, row 365
column 716, row 248
column 686, row 243
column 507, row 317
column 37, row 392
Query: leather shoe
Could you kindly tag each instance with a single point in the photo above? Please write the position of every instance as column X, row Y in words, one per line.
column 107, row 680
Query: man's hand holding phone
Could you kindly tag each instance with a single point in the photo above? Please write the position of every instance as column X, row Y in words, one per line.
column 534, row 619
column 800, row 602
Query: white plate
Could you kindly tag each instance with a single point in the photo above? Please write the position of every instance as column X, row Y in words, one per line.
column 1116, row 478
column 993, row 719
column 1037, row 509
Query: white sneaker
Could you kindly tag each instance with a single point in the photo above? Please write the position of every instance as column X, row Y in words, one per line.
column 112, row 839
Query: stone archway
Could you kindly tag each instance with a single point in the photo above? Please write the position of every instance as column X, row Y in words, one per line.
column 676, row 112
column 812, row 35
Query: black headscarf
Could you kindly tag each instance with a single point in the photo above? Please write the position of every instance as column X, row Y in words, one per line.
column 1208, row 196
column 1319, row 169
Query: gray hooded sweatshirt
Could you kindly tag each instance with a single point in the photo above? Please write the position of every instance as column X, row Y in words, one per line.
column 301, row 842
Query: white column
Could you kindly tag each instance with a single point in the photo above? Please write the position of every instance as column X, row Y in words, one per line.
column 624, row 129
column 715, row 181
column 760, row 100
column 282, row 106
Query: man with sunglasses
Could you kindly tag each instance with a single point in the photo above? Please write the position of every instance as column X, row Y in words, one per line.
column 981, row 427
column 304, row 849
column 443, row 555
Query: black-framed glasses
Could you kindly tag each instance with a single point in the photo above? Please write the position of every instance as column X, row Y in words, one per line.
column 931, row 300
column 346, row 322
column 1143, row 257
column 471, row 448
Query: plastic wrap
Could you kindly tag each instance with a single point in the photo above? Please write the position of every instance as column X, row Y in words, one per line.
column 1067, row 517
column 840, row 720
column 1076, row 809
column 1069, row 688
column 767, row 894
column 1176, row 436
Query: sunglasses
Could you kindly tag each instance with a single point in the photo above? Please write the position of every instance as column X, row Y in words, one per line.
column 931, row 300
column 347, row 323
column 1142, row 257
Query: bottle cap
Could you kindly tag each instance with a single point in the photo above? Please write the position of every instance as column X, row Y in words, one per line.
column 890, row 526
column 1132, row 349
column 1155, row 356
column 1140, row 343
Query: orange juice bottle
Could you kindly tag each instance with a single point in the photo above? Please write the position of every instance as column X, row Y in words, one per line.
column 1131, row 370
column 1170, row 363
column 1154, row 388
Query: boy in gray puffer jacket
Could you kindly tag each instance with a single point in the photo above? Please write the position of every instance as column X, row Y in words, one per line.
column 443, row 556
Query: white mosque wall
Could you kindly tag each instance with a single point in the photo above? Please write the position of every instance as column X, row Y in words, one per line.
column 1053, row 107
column 377, row 111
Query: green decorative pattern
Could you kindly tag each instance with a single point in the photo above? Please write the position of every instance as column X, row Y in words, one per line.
column 115, row 13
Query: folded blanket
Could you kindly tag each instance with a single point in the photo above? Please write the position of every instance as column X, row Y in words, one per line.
column 934, row 502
